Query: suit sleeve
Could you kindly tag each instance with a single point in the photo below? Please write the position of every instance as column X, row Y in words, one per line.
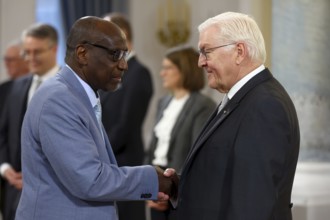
column 66, row 134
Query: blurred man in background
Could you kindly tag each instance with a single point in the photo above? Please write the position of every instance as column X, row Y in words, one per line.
column 39, row 50
column 15, row 66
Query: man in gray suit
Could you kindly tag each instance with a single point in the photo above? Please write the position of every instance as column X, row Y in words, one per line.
column 69, row 169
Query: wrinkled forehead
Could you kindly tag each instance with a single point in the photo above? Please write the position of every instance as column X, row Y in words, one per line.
column 208, row 36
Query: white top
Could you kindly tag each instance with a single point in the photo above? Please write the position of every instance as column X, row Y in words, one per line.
column 164, row 128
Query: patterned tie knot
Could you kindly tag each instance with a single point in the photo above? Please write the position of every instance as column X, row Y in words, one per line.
column 98, row 114
column 98, row 111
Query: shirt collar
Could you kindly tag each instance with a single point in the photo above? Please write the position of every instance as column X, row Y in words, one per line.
column 50, row 73
column 243, row 81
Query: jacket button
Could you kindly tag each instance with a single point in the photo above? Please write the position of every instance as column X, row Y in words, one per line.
column 146, row 195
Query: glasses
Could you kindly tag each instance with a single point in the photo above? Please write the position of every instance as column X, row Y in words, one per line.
column 206, row 51
column 116, row 54
column 37, row 53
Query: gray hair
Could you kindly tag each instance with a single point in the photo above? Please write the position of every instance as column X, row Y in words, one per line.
column 238, row 27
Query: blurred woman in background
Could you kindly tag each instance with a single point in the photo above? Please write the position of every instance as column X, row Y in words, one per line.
column 180, row 116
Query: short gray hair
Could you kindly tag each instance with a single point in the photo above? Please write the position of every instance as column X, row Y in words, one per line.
column 238, row 27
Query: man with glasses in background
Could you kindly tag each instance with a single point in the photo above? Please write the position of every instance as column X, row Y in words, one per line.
column 39, row 50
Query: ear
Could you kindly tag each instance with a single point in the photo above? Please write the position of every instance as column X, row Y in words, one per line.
column 81, row 55
column 241, row 53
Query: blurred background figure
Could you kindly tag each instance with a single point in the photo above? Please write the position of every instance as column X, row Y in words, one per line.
column 180, row 115
column 16, row 66
column 39, row 50
column 123, row 114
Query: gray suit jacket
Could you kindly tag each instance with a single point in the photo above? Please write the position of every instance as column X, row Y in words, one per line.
column 190, row 121
column 69, row 170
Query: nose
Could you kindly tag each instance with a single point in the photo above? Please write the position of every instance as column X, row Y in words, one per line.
column 123, row 64
column 202, row 61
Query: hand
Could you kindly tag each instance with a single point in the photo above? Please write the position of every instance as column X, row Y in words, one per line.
column 165, row 185
column 158, row 205
column 14, row 178
column 171, row 173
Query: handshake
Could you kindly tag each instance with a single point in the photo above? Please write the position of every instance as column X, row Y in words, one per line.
column 168, row 184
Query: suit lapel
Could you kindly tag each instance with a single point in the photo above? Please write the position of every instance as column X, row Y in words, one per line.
column 214, row 122
column 69, row 77
column 23, row 94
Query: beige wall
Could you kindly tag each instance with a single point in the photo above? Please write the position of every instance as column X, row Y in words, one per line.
column 15, row 16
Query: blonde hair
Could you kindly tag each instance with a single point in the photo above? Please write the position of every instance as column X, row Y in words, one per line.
column 238, row 27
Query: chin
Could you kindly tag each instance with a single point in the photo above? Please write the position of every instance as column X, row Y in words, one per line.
column 113, row 88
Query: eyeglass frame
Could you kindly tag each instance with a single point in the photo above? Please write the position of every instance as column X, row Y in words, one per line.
column 206, row 51
column 112, row 52
column 36, row 53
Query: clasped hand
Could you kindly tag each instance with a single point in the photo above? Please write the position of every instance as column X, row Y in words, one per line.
column 168, row 184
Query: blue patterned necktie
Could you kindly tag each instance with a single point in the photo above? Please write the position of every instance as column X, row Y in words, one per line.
column 98, row 114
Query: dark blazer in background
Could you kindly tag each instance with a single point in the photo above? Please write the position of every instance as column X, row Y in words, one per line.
column 4, row 90
column 123, row 114
column 10, row 138
column 189, row 123
column 242, row 165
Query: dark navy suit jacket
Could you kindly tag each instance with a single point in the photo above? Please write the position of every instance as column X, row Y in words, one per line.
column 243, row 163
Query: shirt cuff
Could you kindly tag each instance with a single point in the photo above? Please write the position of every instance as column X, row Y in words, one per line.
column 3, row 168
